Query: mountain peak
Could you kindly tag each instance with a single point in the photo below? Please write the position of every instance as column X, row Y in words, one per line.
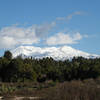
column 57, row 53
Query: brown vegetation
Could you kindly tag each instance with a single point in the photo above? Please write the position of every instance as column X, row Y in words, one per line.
column 74, row 90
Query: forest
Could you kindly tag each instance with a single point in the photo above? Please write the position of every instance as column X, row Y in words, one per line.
column 46, row 69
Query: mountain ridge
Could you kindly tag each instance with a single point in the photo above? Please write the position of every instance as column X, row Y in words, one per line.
column 57, row 53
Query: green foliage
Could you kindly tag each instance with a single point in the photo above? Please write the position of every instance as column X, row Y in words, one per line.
column 41, row 70
column 8, row 55
column 26, row 72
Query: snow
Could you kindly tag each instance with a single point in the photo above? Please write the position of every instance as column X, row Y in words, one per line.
column 57, row 53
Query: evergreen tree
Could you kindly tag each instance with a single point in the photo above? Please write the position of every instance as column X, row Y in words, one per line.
column 8, row 55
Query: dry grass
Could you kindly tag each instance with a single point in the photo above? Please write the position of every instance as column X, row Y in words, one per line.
column 74, row 90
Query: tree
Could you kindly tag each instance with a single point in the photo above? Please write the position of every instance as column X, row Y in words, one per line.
column 12, row 70
column 3, row 69
column 27, row 73
column 8, row 55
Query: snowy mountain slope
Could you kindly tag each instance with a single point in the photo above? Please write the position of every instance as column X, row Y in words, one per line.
column 57, row 53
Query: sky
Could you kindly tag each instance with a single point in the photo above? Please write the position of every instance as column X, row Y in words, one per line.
column 47, row 23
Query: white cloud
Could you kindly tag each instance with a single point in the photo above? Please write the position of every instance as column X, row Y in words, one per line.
column 70, row 16
column 14, row 35
column 62, row 38
column 7, row 42
column 43, row 30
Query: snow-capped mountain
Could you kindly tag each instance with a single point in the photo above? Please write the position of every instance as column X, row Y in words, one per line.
column 57, row 53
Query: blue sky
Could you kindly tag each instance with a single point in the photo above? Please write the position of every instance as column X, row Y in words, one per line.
column 50, row 23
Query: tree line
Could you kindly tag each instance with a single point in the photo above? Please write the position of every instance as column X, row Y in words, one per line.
column 41, row 70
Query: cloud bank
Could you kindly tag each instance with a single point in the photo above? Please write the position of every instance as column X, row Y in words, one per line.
column 14, row 35
column 62, row 38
